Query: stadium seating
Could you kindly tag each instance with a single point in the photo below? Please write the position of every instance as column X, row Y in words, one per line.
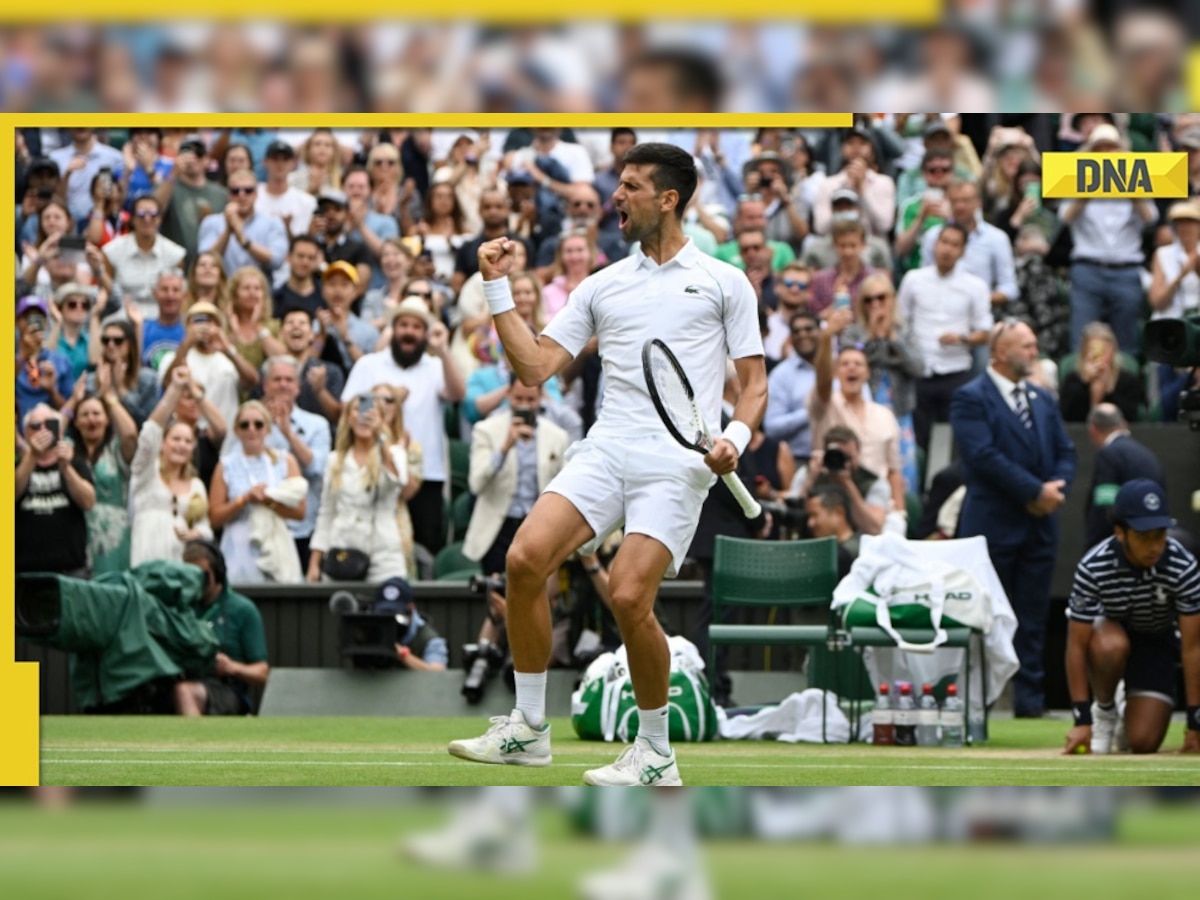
column 450, row 559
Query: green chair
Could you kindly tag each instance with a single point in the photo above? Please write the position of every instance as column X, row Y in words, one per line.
column 450, row 559
column 460, row 514
column 458, row 575
column 915, row 509
column 460, row 466
column 780, row 574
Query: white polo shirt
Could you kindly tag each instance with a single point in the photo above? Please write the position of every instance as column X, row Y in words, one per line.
column 135, row 271
column 933, row 305
column 293, row 202
column 426, row 383
column 703, row 309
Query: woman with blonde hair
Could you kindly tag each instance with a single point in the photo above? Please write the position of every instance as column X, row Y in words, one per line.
column 894, row 359
column 249, row 471
column 363, row 480
column 388, row 194
column 1099, row 378
column 574, row 261
column 206, row 280
column 170, row 505
column 320, row 165
column 247, row 308
column 390, row 399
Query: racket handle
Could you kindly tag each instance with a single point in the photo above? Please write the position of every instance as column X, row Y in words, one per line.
column 742, row 495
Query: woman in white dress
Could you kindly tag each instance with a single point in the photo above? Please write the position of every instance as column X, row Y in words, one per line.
column 169, row 503
column 363, row 480
column 242, row 477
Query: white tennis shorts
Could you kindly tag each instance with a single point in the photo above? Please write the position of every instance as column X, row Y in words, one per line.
column 651, row 485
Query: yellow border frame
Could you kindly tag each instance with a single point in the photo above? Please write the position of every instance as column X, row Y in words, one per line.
column 909, row 12
column 19, row 687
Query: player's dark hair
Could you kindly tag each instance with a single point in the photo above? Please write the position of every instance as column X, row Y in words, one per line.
column 694, row 75
column 673, row 170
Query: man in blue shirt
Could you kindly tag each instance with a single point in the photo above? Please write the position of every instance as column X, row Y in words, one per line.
column 79, row 163
column 241, row 236
column 788, row 387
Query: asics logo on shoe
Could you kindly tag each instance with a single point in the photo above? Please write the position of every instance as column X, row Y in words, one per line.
column 651, row 774
column 512, row 745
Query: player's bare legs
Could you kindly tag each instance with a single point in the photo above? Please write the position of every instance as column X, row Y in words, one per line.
column 633, row 580
column 553, row 530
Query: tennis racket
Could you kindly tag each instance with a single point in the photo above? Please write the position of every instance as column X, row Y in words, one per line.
column 673, row 397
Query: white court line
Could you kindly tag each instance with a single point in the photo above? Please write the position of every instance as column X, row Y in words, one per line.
column 779, row 766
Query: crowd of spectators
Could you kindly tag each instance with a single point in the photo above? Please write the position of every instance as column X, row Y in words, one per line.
column 277, row 339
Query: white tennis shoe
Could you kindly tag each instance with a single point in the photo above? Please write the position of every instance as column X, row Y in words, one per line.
column 638, row 764
column 511, row 741
column 478, row 839
column 650, row 873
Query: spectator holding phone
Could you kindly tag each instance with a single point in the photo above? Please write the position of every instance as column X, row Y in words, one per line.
column 362, row 485
column 54, row 490
column 43, row 263
column 43, row 376
column 836, row 288
column 514, row 454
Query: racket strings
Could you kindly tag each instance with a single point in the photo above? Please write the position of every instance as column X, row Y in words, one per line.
column 673, row 395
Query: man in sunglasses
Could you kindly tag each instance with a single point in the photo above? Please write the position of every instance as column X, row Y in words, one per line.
column 239, row 235
column 793, row 291
column 43, row 376
column 789, row 385
column 331, row 227
column 135, row 259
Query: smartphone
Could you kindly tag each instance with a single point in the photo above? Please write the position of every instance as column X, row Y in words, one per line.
column 935, row 194
column 52, row 426
column 72, row 249
column 200, row 319
column 841, row 301
column 528, row 416
column 1033, row 191
column 106, row 181
column 366, row 403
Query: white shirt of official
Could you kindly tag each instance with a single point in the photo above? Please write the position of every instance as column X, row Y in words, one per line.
column 933, row 305
column 703, row 309
column 1006, row 388
column 426, row 383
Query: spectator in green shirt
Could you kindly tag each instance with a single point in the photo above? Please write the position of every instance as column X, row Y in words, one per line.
column 241, row 662
column 926, row 209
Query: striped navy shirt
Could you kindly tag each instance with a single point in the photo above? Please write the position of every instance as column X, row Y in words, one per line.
column 1142, row 600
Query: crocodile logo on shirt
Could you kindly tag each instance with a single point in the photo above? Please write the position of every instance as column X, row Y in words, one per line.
column 691, row 289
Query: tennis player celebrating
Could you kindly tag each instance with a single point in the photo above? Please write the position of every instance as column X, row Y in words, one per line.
column 628, row 469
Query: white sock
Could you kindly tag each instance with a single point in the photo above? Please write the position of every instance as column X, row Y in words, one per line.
column 672, row 823
column 512, row 803
column 531, row 697
column 653, row 726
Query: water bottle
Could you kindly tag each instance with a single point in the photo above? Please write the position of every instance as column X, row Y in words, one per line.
column 905, row 717
column 927, row 718
column 882, row 719
column 952, row 718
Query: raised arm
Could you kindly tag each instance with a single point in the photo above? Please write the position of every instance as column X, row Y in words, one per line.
column 534, row 359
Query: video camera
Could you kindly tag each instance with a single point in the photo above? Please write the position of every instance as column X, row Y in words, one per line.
column 485, row 584
column 1176, row 342
column 371, row 628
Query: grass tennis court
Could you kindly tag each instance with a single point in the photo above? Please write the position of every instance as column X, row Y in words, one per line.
column 301, row 852
column 87, row 750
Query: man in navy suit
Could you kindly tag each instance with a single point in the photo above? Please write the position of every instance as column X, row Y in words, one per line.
column 1018, row 464
column 1119, row 459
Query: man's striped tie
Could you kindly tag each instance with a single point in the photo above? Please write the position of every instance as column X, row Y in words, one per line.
column 1022, row 407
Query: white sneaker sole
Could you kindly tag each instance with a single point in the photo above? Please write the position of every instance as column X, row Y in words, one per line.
column 462, row 751
column 597, row 778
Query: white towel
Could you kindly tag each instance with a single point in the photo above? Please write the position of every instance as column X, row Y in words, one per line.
column 277, row 556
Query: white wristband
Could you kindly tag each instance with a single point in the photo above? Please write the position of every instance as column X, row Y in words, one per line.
column 738, row 434
column 499, row 296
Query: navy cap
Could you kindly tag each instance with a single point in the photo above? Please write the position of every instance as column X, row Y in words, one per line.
column 394, row 594
column 280, row 148
column 520, row 176
column 1142, row 505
